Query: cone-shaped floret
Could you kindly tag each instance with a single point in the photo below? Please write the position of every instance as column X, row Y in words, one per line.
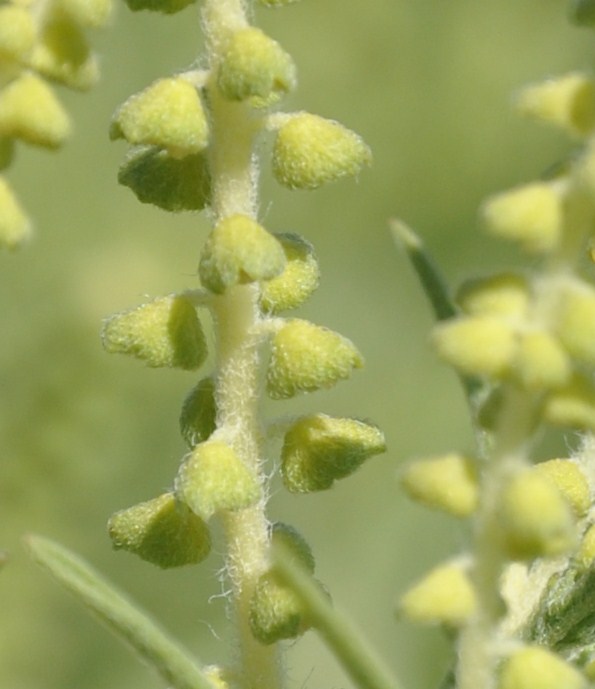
column 541, row 363
column 567, row 101
column 174, row 184
column 531, row 215
column 574, row 320
column 445, row 596
column 320, row 449
column 30, row 111
column 62, row 53
column 199, row 413
column 298, row 280
column 307, row 357
column 310, row 151
column 213, row 478
column 482, row 345
column 536, row 667
column 15, row 228
column 294, row 545
column 17, row 32
column 448, row 483
column 503, row 295
column 572, row 405
column 168, row 113
column 254, row 66
column 90, row 13
column 161, row 531
column 534, row 518
column 572, row 483
column 164, row 332
column 239, row 251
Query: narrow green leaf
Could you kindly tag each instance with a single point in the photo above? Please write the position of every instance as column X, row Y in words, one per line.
column 338, row 631
column 128, row 622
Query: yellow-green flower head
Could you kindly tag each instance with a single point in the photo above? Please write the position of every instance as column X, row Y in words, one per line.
column 199, row 413
column 17, row 32
column 534, row 518
column 307, row 357
column 168, row 114
column 320, row 449
column 536, row 667
column 62, row 53
column 567, row 102
column 213, row 478
column 568, row 478
column 310, row 151
column 572, row 406
column 447, row 483
column 482, row 345
column 298, row 280
column 164, row 332
column 30, row 111
column 173, row 184
column 161, row 531
column 575, row 320
column 541, row 363
column 15, row 228
column 255, row 67
column 531, row 215
column 294, row 545
column 239, row 251
column 445, row 596
column 503, row 295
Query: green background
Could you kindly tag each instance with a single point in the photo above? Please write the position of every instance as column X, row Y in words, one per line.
column 428, row 84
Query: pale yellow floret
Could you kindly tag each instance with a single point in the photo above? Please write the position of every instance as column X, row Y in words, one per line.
column 239, row 251
column 575, row 321
column 168, row 114
column 572, row 405
column 17, row 32
column 310, row 151
column 30, row 111
column 570, row 481
column 15, row 228
column 444, row 596
column 213, row 478
column 534, row 518
column 447, row 483
column 586, row 552
column 567, row 101
column 536, row 667
column 477, row 345
column 541, row 362
column 506, row 294
column 531, row 214
column 307, row 357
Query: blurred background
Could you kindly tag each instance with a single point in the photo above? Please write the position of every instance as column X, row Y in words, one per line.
column 82, row 434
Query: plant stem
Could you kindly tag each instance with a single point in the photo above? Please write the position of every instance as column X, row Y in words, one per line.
column 234, row 177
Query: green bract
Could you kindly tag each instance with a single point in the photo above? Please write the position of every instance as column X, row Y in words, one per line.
column 161, row 531
column 275, row 612
column 320, row 449
column 164, row 332
column 173, row 184
column 198, row 415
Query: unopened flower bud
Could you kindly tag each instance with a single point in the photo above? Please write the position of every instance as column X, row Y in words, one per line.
column 161, row 531
column 445, row 596
column 572, row 483
column 541, row 362
column 572, row 405
column 447, row 483
column 505, row 295
column 310, row 151
column 575, row 321
column 30, row 111
column 168, row 114
column 536, row 667
column 164, row 332
column 199, row 412
column 17, row 31
column 298, row 280
column 320, row 449
column 307, row 357
column 213, row 478
column 531, row 214
column 254, row 66
column 239, row 251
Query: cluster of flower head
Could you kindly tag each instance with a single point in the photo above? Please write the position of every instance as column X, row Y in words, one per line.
column 39, row 42
column 529, row 334
column 169, row 126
